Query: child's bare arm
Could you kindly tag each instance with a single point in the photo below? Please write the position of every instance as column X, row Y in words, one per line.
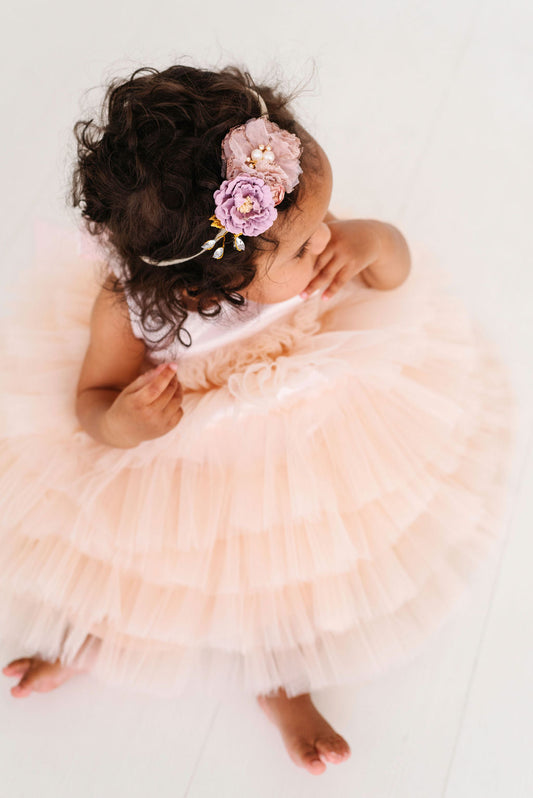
column 114, row 404
column 394, row 262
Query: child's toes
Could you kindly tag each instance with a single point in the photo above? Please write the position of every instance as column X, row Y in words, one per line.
column 305, row 755
column 20, row 690
column 29, row 682
column 333, row 748
column 17, row 667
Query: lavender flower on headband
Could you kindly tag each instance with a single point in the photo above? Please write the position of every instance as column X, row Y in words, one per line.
column 261, row 148
column 245, row 205
column 261, row 163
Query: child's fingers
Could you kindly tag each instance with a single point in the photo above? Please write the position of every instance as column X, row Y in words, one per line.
column 152, row 389
column 172, row 390
column 144, row 379
column 173, row 413
column 321, row 264
column 338, row 281
column 323, row 278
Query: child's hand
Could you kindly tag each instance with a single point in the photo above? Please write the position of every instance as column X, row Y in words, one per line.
column 148, row 407
column 354, row 245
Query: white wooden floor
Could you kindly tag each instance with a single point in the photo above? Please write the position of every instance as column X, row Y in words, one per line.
column 425, row 110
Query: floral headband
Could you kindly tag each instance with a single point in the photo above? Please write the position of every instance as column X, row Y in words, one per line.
column 261, row 163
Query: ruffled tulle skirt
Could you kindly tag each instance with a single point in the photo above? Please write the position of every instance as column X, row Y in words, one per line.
column 335, row 481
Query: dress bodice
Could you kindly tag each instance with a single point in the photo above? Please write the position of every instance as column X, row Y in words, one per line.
column 206, row 333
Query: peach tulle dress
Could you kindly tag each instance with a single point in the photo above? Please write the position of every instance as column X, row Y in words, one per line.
column 340, row 472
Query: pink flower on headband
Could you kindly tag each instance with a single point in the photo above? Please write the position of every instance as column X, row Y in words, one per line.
column 261, row 148
column 273, row 177
column 245, row 205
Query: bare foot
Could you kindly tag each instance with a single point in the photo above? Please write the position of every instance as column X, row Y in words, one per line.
column 42, row 676
column 309, row 739
column 37, row 674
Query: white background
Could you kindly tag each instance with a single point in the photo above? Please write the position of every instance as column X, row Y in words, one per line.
column 426, row 113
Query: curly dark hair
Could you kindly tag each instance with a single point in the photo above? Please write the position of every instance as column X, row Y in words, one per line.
column 144, row 181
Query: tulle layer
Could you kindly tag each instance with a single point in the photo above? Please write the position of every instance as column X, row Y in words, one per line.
column 335, row 481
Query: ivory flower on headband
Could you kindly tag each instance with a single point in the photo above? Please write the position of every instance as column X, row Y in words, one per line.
column 261, row 163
